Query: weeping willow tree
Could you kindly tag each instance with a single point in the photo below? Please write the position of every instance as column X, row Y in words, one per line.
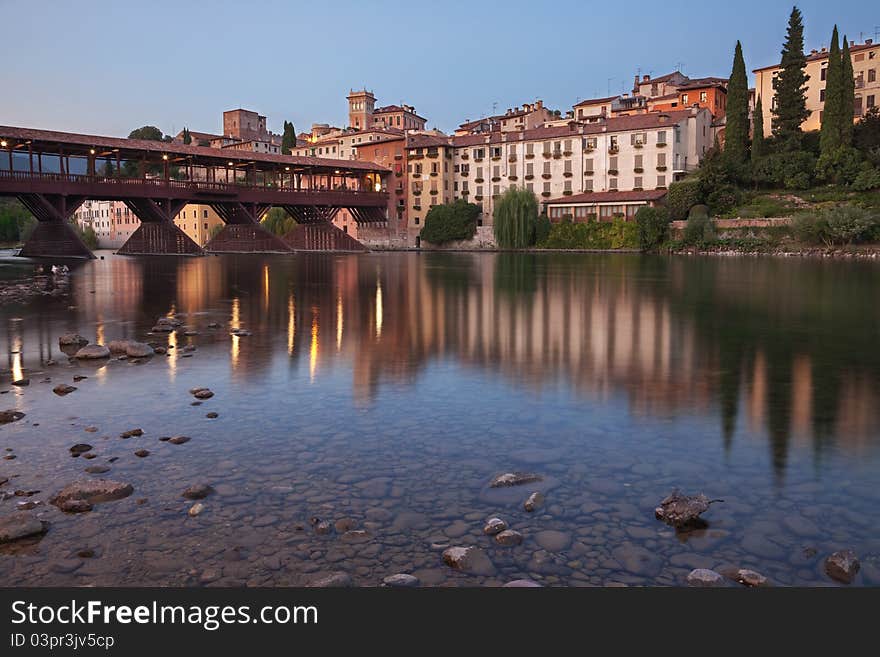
column 278, row 222
column 515, row 217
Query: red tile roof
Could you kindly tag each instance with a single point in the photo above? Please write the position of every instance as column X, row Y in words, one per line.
column 421, row 141
column 592, row 198
column 596, row 101
column 811, row 57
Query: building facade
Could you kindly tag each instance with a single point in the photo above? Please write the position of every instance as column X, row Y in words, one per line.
column 865, row 61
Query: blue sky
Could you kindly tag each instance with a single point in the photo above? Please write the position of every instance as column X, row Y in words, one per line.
column 106, row 67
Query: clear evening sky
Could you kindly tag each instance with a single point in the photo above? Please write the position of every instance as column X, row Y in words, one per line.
column 107, row 67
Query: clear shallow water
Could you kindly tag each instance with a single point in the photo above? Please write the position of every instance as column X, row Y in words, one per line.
column 390, row 388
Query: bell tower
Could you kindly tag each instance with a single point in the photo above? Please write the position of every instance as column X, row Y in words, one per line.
column 360, row 109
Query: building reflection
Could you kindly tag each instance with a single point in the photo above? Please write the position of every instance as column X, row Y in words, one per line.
column 746, row 341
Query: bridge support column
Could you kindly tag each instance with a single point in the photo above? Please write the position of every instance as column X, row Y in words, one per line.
column 157, row 234
column 322, row 237
column 53, row 237
column 243, row 232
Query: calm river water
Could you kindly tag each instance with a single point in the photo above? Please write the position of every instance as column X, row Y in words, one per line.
column 386, row 390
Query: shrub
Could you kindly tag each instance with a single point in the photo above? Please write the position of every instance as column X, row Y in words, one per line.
column 682, row 196
column 793, row 170
column 840, row 167
column 867, row 180
column 451, row 222
column 276, row 221
column 653, row 226
column 723, row 199
column 699, row 229
column 515, row 218
column 840, row 225
column 542, row 229
column 617, row 234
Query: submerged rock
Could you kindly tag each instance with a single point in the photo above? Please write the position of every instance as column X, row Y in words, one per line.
column 196, row 509
column 509, row 538
column 842, row 566
column 20, row 525
column 494, row 526
column 522, row 584
column 401, row 580
column 131, row 433
column 204, row 393
column 681, row 510
column 97, row 469
column 80, row 448
column 92, row 491
column 93, row 352
column 21, row 382
column 118, row 346
column 63, row 389
column 703, row 577
column 179, row 440
column 513, row 479
column 72, row 340
column 138, row 350
column 750, row 577
column 10, row 416
column 470, row 560
column 142, row 453
column 535, row 501
column 337, row 579
column 197, row 492
column 75, row 506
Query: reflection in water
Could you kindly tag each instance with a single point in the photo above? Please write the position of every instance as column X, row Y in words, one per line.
column 779, row 352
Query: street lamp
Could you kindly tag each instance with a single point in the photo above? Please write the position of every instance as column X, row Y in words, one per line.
column 3, row 143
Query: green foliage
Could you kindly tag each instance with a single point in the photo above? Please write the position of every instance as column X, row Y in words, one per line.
column 791, row 99
column 832, row 116
column 515, row 219
column 848, row 95
column 723, row 199
column 653, row 227
column 149, row 132
column 759, row 143
column 699, row 229
column 792, row 170
column 288, row 138
column 277, row 222
column 109, row 170
column 839, row 166
column 700, row 211
column 16, row 222
column 868, row 179
column 542, row 229
column 187, row 138
column 837, row 226
column 215, row 230
column 87, row 235
column 451, row 222
column 866, row 134
column 617, row 234
column 736, row 140
column 682, row 196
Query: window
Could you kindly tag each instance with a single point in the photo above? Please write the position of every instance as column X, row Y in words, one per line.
column 824, row 74
column 612, row 184
column 496, row 151
column 479, row 153
column 684, row 99
column 638, row 138
column 496, row 190
column 590, row 143
column 588, row 165
column 870, row 102
column 546, row 168
column 639, row 164
column 530, row 169
column 872, row 75
column 614, row 143
column 567, row 186
column 661, row 181
column 661, row 159
column 530, row 187
column 547, row 188
column 638, row 182
column 205, row 213
column 568, row 166
column 612, row 163
column 547, row 147
column 206, row 226
column 530, row 149
column 704, row 96
column 588, row 185
column 821, row 95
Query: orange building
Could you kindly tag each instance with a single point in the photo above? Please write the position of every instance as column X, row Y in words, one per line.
column 391, row 153
column 706, row 93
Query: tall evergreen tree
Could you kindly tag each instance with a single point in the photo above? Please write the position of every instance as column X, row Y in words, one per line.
column 736, row 134
column 759, row 144
column 187, row 138
column 288, row 138
column 791, row 97
column 848, row 97
column 830, row 137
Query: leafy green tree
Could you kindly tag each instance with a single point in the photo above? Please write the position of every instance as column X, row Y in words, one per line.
column 451, row 222
column 682, row 196
column 187, row 138
column 653, row 226
column 87, row 234
column 791, row 96
column 278, row 222
column 832, row 115
column 759, row 144
column 149, row 132
column 866, row 135
column 515, row 219
column 736, row 134
column 288, row 138
column 848, row 97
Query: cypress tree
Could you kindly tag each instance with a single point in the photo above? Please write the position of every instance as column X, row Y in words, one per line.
column 187, row 138
column 736, row 134
column 829, row 138
column 848, row 97
column 791, row 97
column 759, row 144
column 288, row 138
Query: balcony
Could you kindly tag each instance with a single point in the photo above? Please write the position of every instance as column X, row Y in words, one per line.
column 416, row 156
column 398, row 157
column 512, row 178
column 566, row 192
column 434, row 174
column 557, row 155
column 567, row 174
column 638, row 170
column 567, row 153
column 465, row 156
column 546, row 176
column 478, row 180
column 511, row 158
column 478, row 159
column 588, row 173
column 529, row 176
column 613, row 150
column 638, row 144
column 478, row 197
column 433, row 154
column 417, row 206
column 661, row 144
column 547, row 155
column 530, row 156
column 545, row 194
column 399, row 190
column 496, row 158
column 589, row 149
column 496, row 179
column 612, row 172
column 661, row 168
column 417, row 192
column 434, row 192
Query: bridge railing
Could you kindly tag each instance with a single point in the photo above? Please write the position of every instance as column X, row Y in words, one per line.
column 169, row 184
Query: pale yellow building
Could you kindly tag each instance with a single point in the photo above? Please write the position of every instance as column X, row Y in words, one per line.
column 429, row 175
column 866, row 62
column 199, row 222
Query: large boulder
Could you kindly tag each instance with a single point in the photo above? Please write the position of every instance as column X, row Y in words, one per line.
column 93, row 352
column 10, row 416
column 72, row 340
column 138, row 350
column 118, row 346
column 681, row 510
column 703, row 577
column 20, row 525
column 92, row 491
column 843, row 566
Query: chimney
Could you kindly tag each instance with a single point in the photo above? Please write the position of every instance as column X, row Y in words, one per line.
column 814, row 52
column 646, row 78
column 869, row 42
column 539, row 104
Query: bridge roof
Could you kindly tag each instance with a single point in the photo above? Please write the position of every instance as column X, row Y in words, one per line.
column 48, row 141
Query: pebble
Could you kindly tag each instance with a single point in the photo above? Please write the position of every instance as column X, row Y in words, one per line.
column 513, row 479
column 63, row 389
column 509, row 538
column 469, row 560
column 142, row 453
column 179, row 440
column 535, row 501
column 703, row 577
column 494, row 526
column 750, row 577
column 401, row 580
column 842, row 566
column 196, row 509
column 197, row 492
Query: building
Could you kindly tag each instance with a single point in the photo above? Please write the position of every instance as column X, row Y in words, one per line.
column 530, row 115
column 865, row 61
column 602, row 206
column 431, row 178
column 390, row 152
column 593, row 108
column 199, row 222
column 640, row 152
column 708, row 93
column 246, row 125
column 363, row 114
column 649, row 87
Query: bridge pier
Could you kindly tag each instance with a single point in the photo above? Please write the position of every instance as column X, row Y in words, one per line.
column 157, row 234
column 243, row 232
column 53, row 237
column 321, row 237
